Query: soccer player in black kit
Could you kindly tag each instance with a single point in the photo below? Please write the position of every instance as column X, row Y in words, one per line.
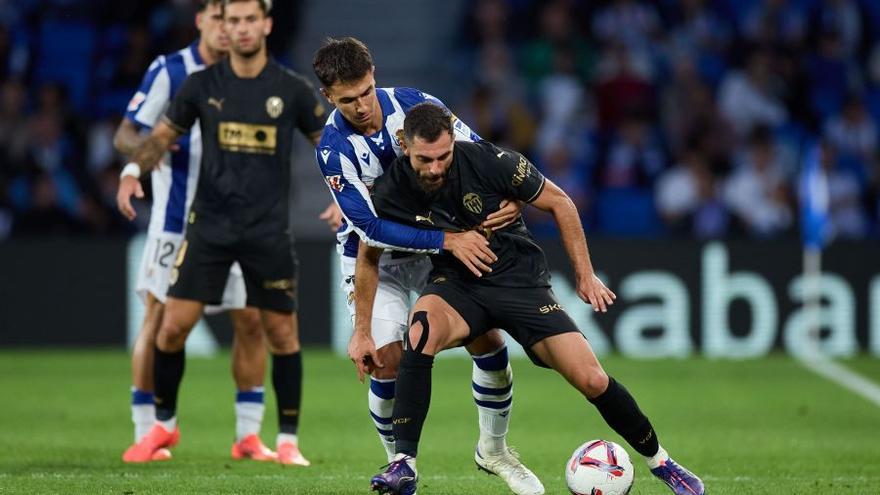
column 248, row 108
column 455, row 184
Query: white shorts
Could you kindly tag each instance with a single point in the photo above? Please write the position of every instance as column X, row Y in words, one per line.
column 397, row 280
column 157, row 262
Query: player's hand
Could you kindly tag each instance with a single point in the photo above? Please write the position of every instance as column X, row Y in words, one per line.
column 362, row 352
column 508, row 212
column 332, row 215
column 472, row 249
column 128, row 186
column 594, row 292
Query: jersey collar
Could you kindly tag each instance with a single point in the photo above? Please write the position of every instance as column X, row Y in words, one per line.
column 194, row 49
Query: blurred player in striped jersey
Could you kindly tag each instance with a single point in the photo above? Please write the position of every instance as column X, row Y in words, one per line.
column 174, row 186
column 361, row 138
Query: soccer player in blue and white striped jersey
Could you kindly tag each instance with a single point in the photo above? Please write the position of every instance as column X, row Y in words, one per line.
column 360, row 140
column 174, row 187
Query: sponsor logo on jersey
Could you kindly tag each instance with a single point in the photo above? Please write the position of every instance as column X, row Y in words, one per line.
column 473, row 202
column 549, row 308
column 426, row 219
column 218, row 104
column 136, row 101
column 523, row 171
column 335, row 182
column 274, row 106
column 248, row 138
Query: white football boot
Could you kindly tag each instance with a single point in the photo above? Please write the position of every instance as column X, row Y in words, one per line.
column 509, row 468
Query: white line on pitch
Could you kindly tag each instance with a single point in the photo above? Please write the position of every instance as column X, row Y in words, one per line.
column 842, row 376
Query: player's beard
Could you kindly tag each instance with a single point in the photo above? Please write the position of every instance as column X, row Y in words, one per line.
column 251, row 52
column 432, row 183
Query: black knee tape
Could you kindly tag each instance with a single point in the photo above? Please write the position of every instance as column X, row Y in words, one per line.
column 418, row 317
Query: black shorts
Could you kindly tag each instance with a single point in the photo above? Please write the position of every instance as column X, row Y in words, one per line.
column 528, row 314
column 268, row 262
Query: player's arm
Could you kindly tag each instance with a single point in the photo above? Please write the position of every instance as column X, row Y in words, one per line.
column 590, row 289
column 353, row 198
column 145, row 158
column 127, row 138
column 361, row 347
column 180, row 117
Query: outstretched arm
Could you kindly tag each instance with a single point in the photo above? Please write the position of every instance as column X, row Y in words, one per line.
column 589, row 288
column 145, row 158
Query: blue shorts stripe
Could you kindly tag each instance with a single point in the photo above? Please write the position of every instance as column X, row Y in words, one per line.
column 382, row 390
column 504, row 404
column 380, row 419
column 492, row 391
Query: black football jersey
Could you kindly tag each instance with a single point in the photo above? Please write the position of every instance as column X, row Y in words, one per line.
column 480, row 177
column 247, row 128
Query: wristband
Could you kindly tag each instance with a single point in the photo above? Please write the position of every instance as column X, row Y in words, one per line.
column 131, row 170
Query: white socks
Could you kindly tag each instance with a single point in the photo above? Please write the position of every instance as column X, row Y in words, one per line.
column 659, row 457
column 249, row 409
column 493, row 393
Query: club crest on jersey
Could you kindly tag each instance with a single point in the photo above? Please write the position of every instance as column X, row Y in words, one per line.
column 473, row 202
column 274, row 106
column 335, row 182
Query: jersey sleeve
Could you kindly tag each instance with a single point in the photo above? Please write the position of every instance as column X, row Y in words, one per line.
column 514, row 174
column 151, row 99
column 310, row 113
column 184, row 109
column 409, row 97
column 353, row 198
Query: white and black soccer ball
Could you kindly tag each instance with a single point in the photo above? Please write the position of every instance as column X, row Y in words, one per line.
column 599, row 467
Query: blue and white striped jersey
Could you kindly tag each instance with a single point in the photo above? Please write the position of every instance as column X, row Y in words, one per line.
column 175, row 180
column 351, row 162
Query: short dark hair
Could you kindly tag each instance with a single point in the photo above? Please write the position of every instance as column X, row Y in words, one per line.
column 201, row 5
column 427, row 121
column 265, row 5
column 342, row 60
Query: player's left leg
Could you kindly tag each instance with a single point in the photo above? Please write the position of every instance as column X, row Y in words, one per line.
column 282, row 335
column 571, row 356
column 249, row 370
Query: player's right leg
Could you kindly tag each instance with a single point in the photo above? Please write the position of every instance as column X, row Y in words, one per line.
column 571, row 356
column 249, row 370
column 435, row 326
column 179, row 318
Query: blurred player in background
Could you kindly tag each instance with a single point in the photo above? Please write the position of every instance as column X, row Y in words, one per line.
column 174, row 184
column 248, row 108
column 361, row 140
column 456, row 183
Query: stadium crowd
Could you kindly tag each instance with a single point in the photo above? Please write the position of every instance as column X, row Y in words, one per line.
column 683, row 118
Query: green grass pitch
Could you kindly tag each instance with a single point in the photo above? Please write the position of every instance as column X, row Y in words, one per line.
column 747, row 427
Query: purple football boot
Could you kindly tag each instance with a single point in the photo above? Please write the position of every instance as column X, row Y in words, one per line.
column 397, row 479
column 679, row 479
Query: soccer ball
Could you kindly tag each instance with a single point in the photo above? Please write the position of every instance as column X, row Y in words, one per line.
column 599, row 467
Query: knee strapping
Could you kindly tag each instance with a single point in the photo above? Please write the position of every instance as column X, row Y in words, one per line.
column 418, row 317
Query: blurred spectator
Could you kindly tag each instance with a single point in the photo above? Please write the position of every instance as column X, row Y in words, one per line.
column 777, row 23
column 635, row 156
column 758, row 193
column 561, row 100
column 748, row 98
column 830, row 75
column 853, row 131
column 703, row 37
column 846, row 210
column 842, row 18
column 13, row 132
column 631, row 23
column 623, row 86
column 688, row 199
column 558, row 35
